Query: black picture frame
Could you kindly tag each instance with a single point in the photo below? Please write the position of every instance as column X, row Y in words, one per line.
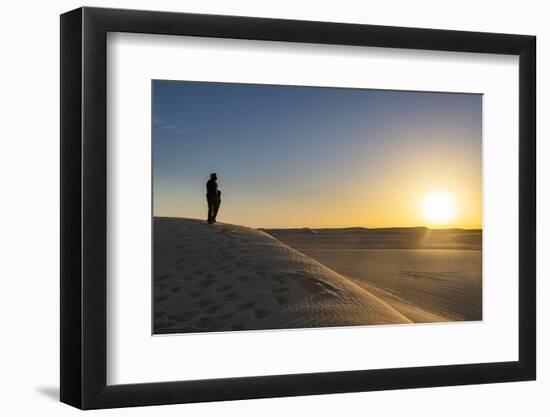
column 84, row 207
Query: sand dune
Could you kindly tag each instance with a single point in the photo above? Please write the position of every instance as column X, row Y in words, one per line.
column 224, row 277
column 427, row 275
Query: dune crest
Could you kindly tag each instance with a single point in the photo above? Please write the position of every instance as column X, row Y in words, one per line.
column 225, row 277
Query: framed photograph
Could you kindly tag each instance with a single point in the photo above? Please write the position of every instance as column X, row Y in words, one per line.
column 258, row 208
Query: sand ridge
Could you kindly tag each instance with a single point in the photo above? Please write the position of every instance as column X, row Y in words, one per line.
column 226, row 277
column 425, row 285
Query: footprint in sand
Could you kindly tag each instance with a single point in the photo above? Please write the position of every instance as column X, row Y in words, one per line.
column 280, row 278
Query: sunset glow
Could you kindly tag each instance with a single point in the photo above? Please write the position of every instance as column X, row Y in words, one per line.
column 318, row 157
column 438, row 208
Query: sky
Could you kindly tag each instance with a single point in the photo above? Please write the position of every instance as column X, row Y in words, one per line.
column 291, row 156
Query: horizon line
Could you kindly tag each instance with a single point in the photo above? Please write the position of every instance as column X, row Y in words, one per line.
column 333, row 228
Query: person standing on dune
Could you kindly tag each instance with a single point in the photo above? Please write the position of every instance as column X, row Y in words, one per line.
column 213, row 198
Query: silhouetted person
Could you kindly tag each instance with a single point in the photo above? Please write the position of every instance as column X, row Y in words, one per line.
column 213, row 197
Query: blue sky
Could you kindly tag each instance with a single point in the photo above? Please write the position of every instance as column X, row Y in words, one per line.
column 308, row 156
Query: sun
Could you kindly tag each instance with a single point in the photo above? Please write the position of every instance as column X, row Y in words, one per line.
column 438, row 207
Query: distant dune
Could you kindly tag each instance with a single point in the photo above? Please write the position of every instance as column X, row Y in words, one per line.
column 384, row 238
column 224, row 277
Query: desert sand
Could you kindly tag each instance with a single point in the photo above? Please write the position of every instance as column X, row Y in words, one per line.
column 225, row 277
column 426, row 275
